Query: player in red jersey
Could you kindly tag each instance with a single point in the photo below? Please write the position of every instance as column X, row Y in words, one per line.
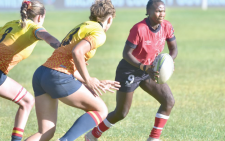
column 146, row 40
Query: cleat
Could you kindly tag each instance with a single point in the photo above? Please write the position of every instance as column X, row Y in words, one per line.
column 90, row 137
column 152, row 139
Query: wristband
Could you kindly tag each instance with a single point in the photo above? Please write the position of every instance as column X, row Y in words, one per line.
column 144, row 68
column 140, row 66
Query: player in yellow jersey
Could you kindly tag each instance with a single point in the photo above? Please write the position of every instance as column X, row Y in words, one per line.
column 17, row 41
column 64, row 77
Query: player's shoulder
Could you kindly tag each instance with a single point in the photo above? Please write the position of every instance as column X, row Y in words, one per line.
column 31, row 24
column 140, row 25
column 93, row 28
column 12, row 23
column 92, row 25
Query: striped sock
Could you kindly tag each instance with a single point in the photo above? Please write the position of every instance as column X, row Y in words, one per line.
column 17, row 134
column 83, row 124
column 160, row 122
column 102, row 127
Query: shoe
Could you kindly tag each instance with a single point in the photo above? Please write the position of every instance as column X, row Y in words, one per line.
column 90, row 137
column 152, row 139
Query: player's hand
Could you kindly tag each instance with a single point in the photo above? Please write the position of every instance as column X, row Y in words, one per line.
column 153, row 74
column 109, row 85
column 95, row 86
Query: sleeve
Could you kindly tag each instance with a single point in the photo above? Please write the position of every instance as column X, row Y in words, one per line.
column 96, row 38
column 37, row 28
column 170, row 33
column 133, row 38
column 35, row 32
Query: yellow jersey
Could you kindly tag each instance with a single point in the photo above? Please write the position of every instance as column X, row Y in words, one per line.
column 16, row 43
column 62, row 59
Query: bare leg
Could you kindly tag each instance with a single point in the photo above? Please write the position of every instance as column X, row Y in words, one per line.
column 46, row 110
column 123, row 104
column 95, row 108
column 162, row 93
column 12, row 90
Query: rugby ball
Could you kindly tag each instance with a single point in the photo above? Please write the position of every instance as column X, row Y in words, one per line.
column 164, row 64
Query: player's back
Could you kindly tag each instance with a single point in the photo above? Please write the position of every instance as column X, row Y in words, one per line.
column 16, row 43
column 62, row 59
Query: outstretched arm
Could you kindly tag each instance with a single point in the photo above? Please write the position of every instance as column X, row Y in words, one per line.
column 78, row 54
column 48, row 38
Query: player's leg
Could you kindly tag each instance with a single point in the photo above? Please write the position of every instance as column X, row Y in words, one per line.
column 163, row 94
column 129, row 78
column 123, row 104
column 12, row 90
column 95, row 108
column 46, row 111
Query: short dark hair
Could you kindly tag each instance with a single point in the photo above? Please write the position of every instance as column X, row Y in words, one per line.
column 150, row 3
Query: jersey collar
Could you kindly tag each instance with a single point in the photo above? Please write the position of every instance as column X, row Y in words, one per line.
column 148, row 23
column 101, row 24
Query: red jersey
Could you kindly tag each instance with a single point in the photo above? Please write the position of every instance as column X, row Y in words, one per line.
column 147, row 42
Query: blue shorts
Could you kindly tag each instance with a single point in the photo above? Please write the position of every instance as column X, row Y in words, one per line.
column 2, row 77
column 54, row 83
column 129, row 76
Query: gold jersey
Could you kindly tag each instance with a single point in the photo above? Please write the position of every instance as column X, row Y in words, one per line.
column 16, row 43
column 62, row 60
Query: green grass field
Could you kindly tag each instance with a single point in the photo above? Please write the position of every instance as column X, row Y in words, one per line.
column 197, row 83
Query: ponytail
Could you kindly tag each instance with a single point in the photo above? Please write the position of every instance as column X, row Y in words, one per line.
column 29, row 10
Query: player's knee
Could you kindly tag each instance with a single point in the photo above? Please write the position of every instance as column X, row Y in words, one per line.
column 27, row 102
column 48, row 134
column 170, row 102
column 121, row 115
column 103, row 112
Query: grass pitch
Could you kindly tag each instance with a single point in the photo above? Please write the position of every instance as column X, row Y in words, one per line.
column 197, row 83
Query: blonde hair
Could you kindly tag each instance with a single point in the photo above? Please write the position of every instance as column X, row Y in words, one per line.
column 29, row 10
column 101, row 9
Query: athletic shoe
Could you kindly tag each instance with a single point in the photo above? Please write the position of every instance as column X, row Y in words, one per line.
column 90, row 137
column 152, row 139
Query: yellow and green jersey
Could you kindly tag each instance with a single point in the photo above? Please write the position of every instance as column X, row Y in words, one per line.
column 62, row 60
column 16, row 43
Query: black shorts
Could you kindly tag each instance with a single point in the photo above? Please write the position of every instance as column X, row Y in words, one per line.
column 2, row 77
column 129, row 76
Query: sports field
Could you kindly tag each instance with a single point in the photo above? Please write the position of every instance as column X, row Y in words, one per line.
column 198, row 83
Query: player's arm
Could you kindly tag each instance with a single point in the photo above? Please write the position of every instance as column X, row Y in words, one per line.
column 78, row 53
column 48, row 38
column 78, row 76
column 172, row 46
column 128, row 56
column 109, row 84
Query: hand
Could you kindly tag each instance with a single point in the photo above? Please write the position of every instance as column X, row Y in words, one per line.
column 94, row 85
column 153, row 74
column 109, row 84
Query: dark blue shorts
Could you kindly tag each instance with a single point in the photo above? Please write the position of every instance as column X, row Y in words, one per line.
column 54, row 83
column 2, row 77
column 129, row 76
